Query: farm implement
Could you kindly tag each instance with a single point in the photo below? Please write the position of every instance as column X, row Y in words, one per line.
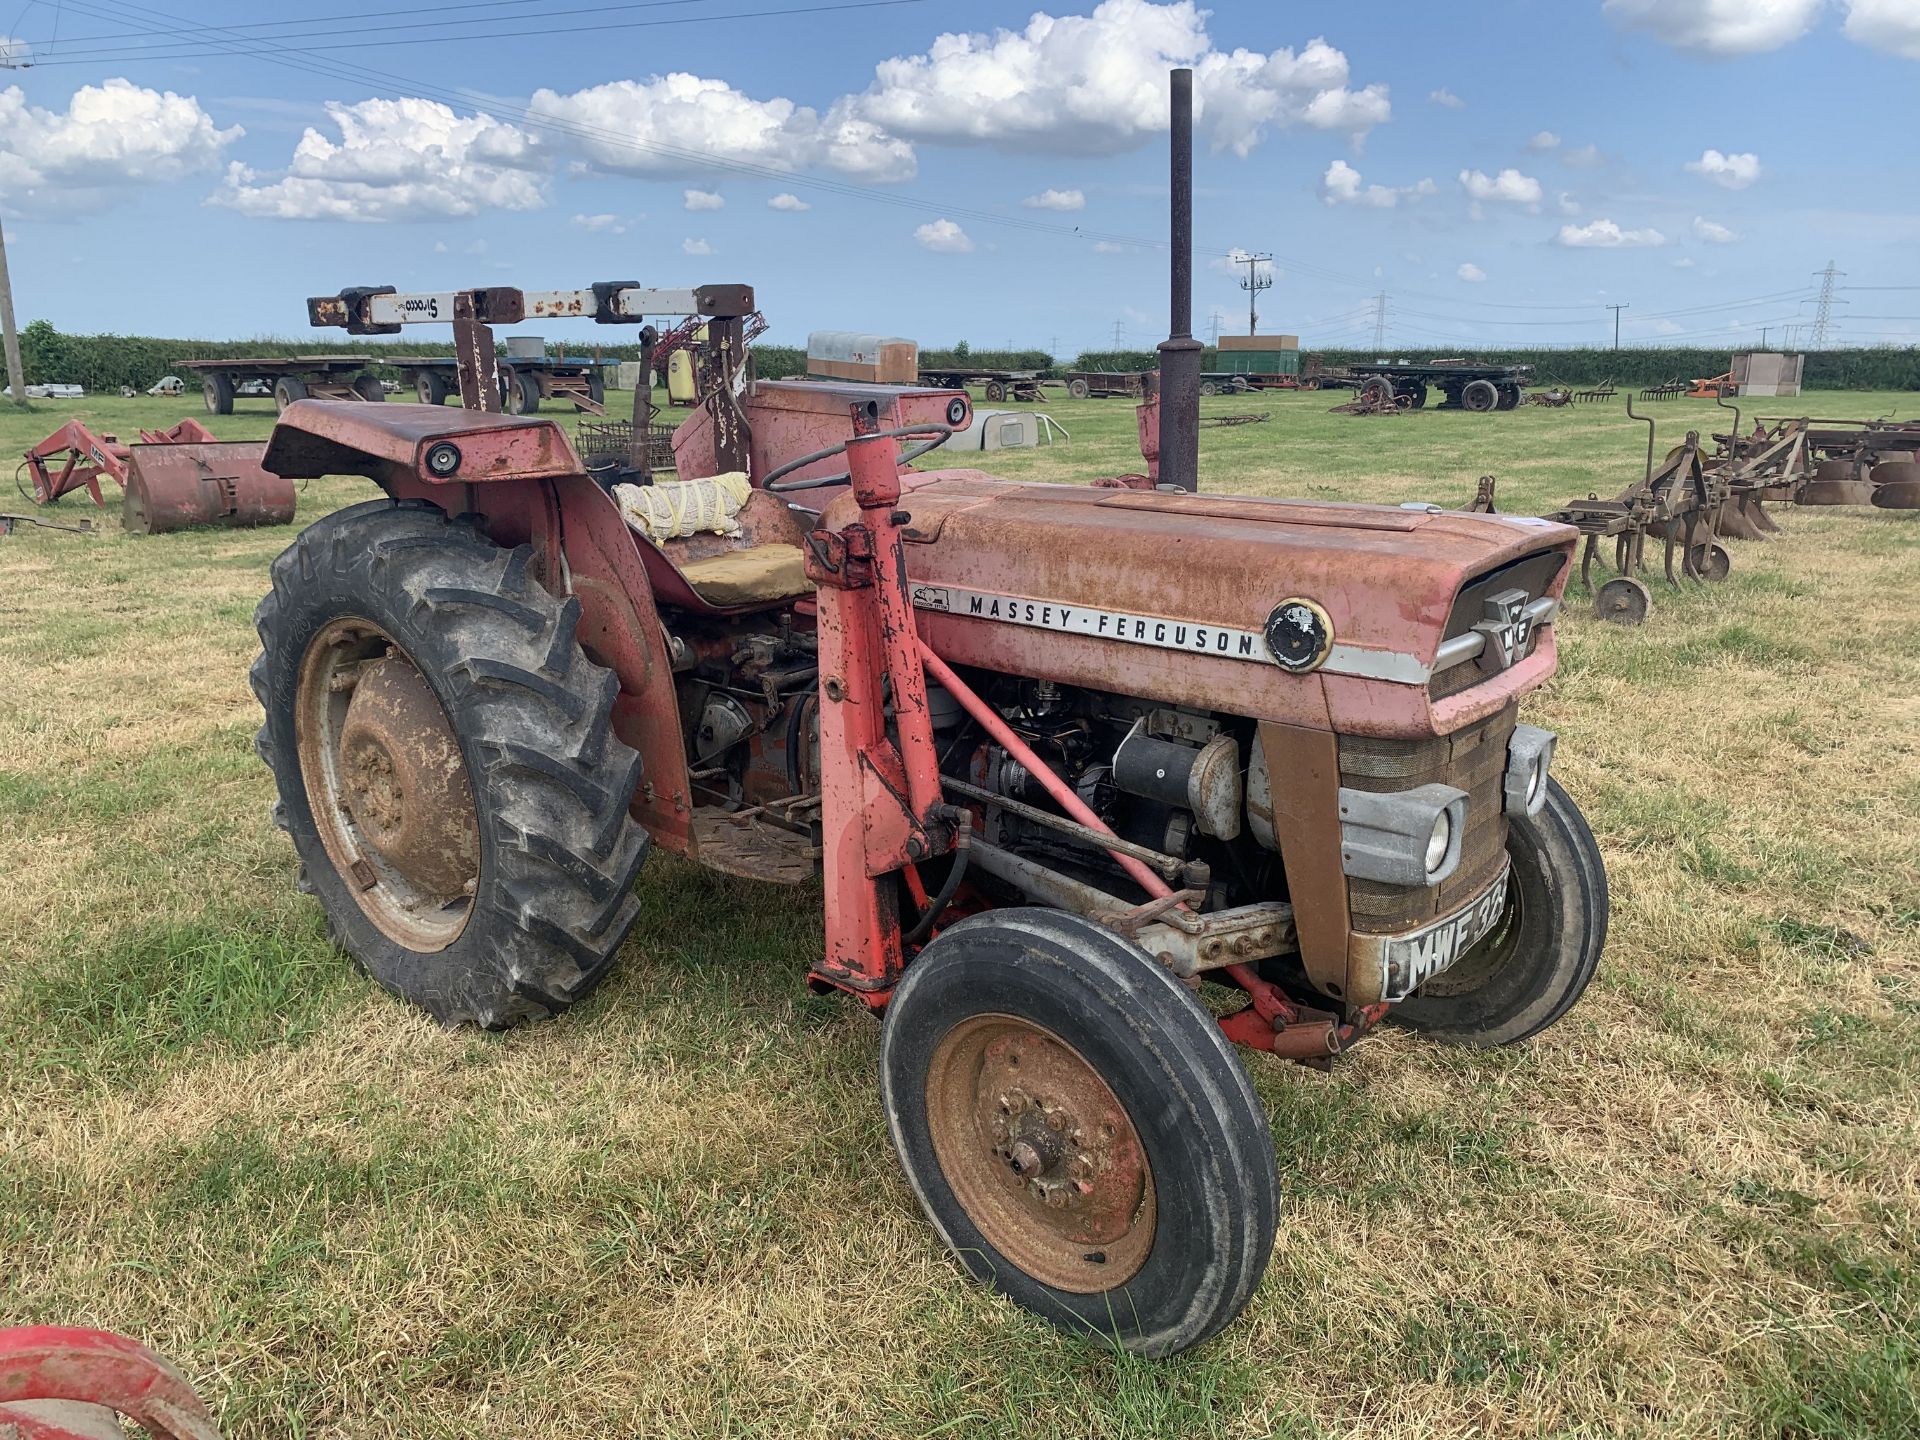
column 1861, row 462
column 1070, row 761
column 59, row 1383
column 169, row 479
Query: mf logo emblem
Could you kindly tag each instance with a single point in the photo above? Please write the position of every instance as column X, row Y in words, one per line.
column 1508, row 628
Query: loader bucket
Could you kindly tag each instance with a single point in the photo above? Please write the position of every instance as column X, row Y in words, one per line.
column 1837, row 482
column 1896, row 485
column 170, row 487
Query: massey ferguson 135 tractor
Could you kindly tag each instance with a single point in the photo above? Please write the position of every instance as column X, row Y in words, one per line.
column 1069, row 758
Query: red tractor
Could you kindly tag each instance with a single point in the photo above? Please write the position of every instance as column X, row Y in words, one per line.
column 1071, row 759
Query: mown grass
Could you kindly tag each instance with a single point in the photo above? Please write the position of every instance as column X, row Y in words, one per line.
column 1693, row 1208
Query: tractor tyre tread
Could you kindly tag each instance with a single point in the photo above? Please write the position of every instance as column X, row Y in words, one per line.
column 551, row 782
column 1559, row 861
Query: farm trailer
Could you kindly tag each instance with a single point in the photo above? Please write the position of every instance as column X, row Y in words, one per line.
column 524, row 382
column 1466, row 385
column 998, row 386
column 1065, row 756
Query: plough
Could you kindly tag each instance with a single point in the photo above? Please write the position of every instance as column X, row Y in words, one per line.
column 1678, row 503
column 1862, row 462
column 58, row 1383
column 170, row 478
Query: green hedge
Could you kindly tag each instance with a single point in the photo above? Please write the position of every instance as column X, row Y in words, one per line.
column 106, row 362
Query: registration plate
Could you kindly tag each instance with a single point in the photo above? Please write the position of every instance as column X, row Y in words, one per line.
column 1409, row 961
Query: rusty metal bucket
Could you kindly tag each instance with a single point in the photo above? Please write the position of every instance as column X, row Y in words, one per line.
column 1896, row 485
column 1837, row 482
column 170, row 487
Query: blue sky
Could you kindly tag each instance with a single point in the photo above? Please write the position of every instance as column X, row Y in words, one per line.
column 982, row 171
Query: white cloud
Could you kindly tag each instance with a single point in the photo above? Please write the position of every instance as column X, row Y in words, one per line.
column 1890, row 25
column 703, row 200
column 1584, row 158
column 1341, row 186
column 1735, row 172
column 669, row 125
column 1685, row 262
column 1713, row 234
column 1668, row 327
column 1108, row 247
column 14, row 51
column 944, row 236
column 788, row 202
column 114, row 133
column 1446, row 99
column 1544, row 140
column 1097, row 85
column 1605, row 235
column 1509, row 187
column 691, row 246
column 1471, row 273
column 1566, row 204
column 1051, row 199
column 611, row 224
column 397, row 160
column 1719, row 27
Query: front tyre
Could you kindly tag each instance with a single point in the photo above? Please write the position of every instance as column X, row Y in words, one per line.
column 1529, row 971
column 445, row 764
column 1077, row 1128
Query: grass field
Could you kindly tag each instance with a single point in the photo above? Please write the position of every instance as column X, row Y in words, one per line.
column 1692, row 1208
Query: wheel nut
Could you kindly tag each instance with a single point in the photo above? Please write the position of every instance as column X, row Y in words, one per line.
column 1026, row 1159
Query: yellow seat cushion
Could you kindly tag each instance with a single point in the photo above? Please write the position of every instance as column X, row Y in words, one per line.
column 753, row 576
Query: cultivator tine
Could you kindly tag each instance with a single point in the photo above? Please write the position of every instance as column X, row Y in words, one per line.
column 1587, row 552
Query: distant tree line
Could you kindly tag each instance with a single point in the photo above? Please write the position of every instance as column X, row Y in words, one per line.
column 106, row 362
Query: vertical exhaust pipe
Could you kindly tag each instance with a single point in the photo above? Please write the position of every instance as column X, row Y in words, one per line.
column 1180, row 352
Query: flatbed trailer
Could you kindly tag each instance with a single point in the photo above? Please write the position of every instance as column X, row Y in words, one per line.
column 999, row 385
column 575, row 379
column 1465, row 384
column 525, row 382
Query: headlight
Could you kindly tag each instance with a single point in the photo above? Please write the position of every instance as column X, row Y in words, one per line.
column 1402, row 837
column 1439, row 842
column 443, row 458
column 1529, row 757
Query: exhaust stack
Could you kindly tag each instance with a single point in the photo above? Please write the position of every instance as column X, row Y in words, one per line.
column 1180, row 352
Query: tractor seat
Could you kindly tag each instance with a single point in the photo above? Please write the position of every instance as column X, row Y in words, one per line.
column 754, row 575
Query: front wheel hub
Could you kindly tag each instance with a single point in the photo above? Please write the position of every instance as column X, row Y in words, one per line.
column 1041, row 1153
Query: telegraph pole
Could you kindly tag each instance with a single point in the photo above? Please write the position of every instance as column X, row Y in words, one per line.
column 9, row 334
column 1616, row 309
column 1253, row 282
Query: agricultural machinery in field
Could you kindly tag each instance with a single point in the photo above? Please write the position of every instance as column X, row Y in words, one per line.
column 1072, row 760
column 170, row 479
column 60, row 1383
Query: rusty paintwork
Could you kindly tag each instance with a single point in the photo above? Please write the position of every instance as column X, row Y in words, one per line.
column 172, row 486
column 43, row 1363
column 389, row 443
column 1388, row 579
column 1041, row 1153
column 788, row 418
column 387, row 785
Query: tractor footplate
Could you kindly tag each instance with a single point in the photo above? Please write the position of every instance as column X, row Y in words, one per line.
column 753, row 849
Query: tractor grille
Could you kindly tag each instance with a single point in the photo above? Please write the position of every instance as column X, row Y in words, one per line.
column 1474, row 760
column 1532, row 573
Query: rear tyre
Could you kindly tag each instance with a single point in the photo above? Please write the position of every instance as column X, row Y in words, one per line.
column 1077, row 1128
column 1479, row 396
column 529, row 394
column 445, row 766
column 1529, row 971
column 1416, row 395
column 368, row 387
column 429, row 388
column 597, row 387
column 286, row 390
column 1510, row 397
column 995, row 392
column 1207, row 387
column 217, row 391
column 1079, row 389
column 1377, row 390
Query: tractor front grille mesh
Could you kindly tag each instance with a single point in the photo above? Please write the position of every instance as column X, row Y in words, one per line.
column 1473, row 759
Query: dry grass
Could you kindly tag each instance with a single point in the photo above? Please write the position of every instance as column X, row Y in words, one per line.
column 1691, row 1209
